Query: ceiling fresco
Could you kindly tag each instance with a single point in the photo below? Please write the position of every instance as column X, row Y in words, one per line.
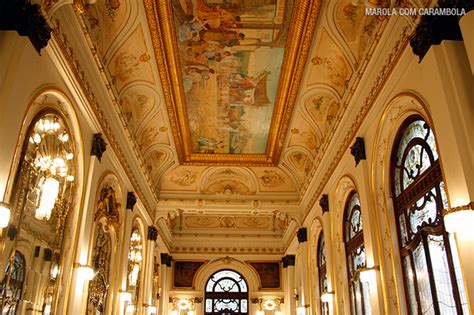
column 230, row 106
column 229, row 74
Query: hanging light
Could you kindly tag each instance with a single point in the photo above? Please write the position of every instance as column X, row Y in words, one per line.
column 49, row 193
column 4, row 215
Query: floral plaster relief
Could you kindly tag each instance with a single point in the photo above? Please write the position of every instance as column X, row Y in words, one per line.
column 330, row 66
column 131, row 62
column 104, row 21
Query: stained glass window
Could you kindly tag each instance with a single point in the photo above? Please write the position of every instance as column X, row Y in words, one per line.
column 226, row 293
column 355, row 255
column 13, row 282
column 322, row 272
column 433, row 282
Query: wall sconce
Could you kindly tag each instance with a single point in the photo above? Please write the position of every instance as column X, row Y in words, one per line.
column 151, row 309
column 301, row 310
column 460, row 220
column 84, row 272
column 326, row 297
column 368, row 275
column 4, row 214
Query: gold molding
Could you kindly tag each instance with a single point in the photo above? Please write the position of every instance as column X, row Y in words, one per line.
column 302, row 26
column 469, row 206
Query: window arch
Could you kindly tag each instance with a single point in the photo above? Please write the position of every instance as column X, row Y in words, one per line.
column 431, row 269
column 226, row 293
column 322, row 273
column 355, row 255
column 13, row 282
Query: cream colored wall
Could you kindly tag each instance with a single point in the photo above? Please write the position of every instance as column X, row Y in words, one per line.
column 440, row 89
column 23, row 76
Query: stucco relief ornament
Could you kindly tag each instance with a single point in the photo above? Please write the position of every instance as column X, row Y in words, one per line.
column 108, row 207
column 271, row 179
column 184, row 177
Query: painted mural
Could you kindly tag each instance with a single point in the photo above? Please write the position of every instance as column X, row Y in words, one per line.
column 231, row 53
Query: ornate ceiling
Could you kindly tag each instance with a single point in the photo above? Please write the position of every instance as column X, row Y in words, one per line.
column 231, row 149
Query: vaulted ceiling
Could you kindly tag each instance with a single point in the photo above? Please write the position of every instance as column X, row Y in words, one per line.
column 222, row 150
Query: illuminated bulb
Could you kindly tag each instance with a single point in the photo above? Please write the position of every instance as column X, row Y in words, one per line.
column 125, row 296
column 47, row 309
column 460, row 222
column 130, row 308
column 4, row 215
column 301, row 310
column 260, row 313
column 69, row 156
column 64, row 137
column 368, row 276
column 151, row 309
column 37, row 138
column 85, row 273
column 326, row 297
column 139, row 257
column 70, row 178
column 49, row 193
column 54, row 272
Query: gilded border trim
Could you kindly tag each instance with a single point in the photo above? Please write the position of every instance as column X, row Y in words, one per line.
column 303, row 23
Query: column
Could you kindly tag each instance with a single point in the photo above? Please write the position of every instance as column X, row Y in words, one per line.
column 148, row 269
column 466, row 23
column 453, row 117
column 165, row 283
column 305, row 291
column 289, row 282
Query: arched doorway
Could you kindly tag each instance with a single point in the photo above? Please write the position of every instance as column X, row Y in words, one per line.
column 226, row 294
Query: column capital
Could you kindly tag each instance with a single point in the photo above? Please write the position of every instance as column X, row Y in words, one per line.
column 302, row 235
column 288, row 260
column 166, row 259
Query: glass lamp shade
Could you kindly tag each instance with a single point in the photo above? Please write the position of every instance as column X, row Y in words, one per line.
column 301, row 310
column 326, row 297
column 460, row 222
column 4, row 215
column 49, row 193
column 151, row 309
column 86, row 273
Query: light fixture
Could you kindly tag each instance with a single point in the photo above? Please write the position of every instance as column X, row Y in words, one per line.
column 84, row 272
column 4, row 214
column 125, row 296
column 49, row 193
column 260, row 312
column 460, row 220
column 301, row 310
column 54, row 271
column 130, row 309
column 47, row 309
column 151, row 309
column 368, row 275
column 326, row 297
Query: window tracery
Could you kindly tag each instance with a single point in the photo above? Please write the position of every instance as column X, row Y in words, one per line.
column 432, row 273
column 11, row 287
column 355, row 256
column 322, row 273
column 226, row 293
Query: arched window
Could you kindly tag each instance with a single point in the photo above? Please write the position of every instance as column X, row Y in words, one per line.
column 355, row 255
column 13, row 282
column 322, row 273
column 226, row 293
column 431, row 269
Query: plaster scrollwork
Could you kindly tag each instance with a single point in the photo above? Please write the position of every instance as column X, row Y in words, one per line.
column 184, row 177
column 271, row 179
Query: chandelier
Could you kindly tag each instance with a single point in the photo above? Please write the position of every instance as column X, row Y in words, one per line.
column 50, row 155
column 135, row 258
